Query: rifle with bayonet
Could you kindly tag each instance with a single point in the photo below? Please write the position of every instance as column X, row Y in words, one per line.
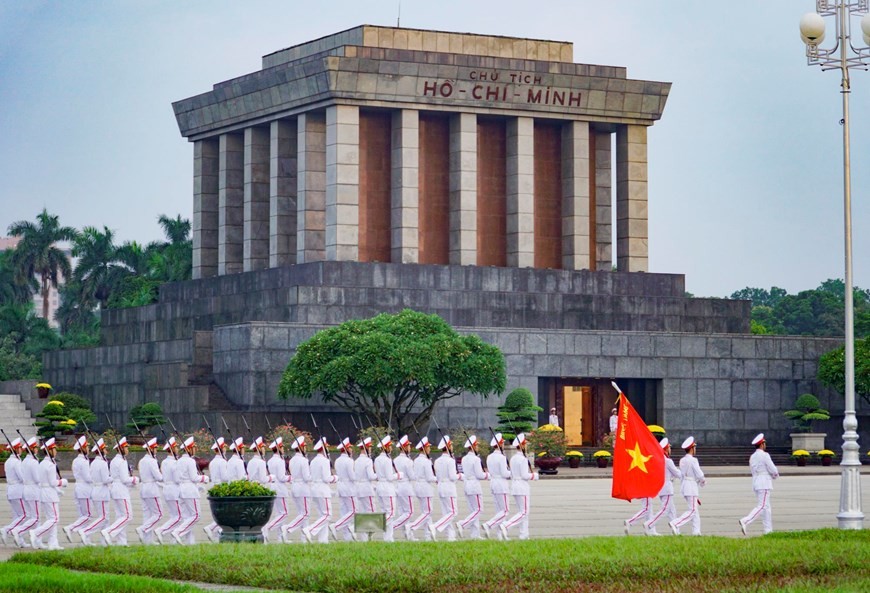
column 96, row 439
column 166, row 438
column 322, row 441
column 180, row 438
column 378, row 436
column 429, row 457
column 217, row 445
column 148, row 450
column 522, row 450
column 233, row 441
column 118, row 446
column 251, row 436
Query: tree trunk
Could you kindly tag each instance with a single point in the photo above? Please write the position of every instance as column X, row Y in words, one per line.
column 45, row 297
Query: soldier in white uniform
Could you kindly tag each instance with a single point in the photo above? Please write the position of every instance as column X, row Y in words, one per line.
column 217, row 474
column 122, row 480
column 764, row 472
column 152, row 480
column 29, row 492
column 189, row 482
column 386, row 486
column 50, row 484
column 404, row 489
column 346, row 492
column 237, row 467
column 101, row 482
column 81, row 471
column 424, row 477
column 499, row 474
column 277, row 467
column 521, row 475
column 693, row 479
column 364, row 480
column 666, row 494
column 257, row 470
column 320, row 471
column 300, row 473
column 170, row 490
column 447, row 476
column 645, row 512
column 472, row 474
column 14, row 491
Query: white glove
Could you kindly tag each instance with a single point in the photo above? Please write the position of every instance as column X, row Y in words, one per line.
column 64, row 482
column 486, row 475
column 135, row 480
column 399, row 475
column 206, row 479
column 535, row 476
column 271, row 478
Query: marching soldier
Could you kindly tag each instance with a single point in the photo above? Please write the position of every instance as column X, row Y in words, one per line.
column 101, row 481
column 81, row 470
column 30, row 492
column 300, row 473
column 152, row 479
column 346, row 492
column 189, row 481
column 122, row 480
column 170, row 490
column 693, row 478
column 364, row 478
column 277, row 468
column 404, row 489
column 321, row 493
column 424, row 477
column 472, row 474
column 666, row 494
column 386, row 485
column 257, row 470
column 764, row 472
column 447, row 476
column 645, row 511
column 499, row 474
column 521, row 475
column 237, row 468
column 49, row 486
column 217, row 473
column 14, row 491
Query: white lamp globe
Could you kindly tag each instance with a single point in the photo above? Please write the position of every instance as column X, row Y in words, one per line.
column 865, row 28
column 812, row 28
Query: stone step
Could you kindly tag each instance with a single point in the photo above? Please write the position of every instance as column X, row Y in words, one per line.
column 9, row 397
column 8, row 408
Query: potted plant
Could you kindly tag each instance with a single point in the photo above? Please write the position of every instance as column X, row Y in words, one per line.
column 807, row 409
column 43, row 389
column 241, row 508
column 800, row 456
column 827, row 456
column 575, row 458
column 518, row 413
column 548, row 442
column 601, row 457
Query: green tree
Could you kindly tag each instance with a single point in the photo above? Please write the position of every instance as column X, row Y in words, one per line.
column 393, row 368
column 145, row 416
column 759, row 296
column 15, row 365
column 37, row 255
column 12, row 290
column 29, row 333
column 807, row 409
column 832, row 369
column 75, row 407
column 172, row 260
column 518, row 413
column 99, row 268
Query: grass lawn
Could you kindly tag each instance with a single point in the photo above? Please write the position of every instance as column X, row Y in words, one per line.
column 29, row 578
column 824, row 560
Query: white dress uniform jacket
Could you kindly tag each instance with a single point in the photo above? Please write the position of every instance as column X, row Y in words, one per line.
column 521, row 475
column 447, row 476
column 14, row 479
column 671, row 473
column 693, row 477
column 101, row 480
column 187, row 477
column 257, row 471
column 472, row 473
column 30, row 478
column 364, row 476
column 49, row 484
column 499, row 474
column 763, row 470
column 236, row 469
column 300, row 471
column 81, row 471
column 405, row 465
column 344, row 473
column 387, row 477
column 320, row 477
column 278, row 469
column 217, row 470
column 121, row 478
column 424, row 477
column 150, row 476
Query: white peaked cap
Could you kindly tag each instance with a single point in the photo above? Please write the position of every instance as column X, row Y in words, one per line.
column 121, row 441
column 423, row 442
column 49, row 443
column 276, row 443
column 16, row 442
column 366, row 441
column 346, row 444
column 32, row 441
column 297, row 442
column 759, row 438
column 471, row 440
column 219, row 443
column 239, row 442
column 664, row 442
column 520, row 440
column 320, row 444
column 688, row 443
column 496, row 440
column 387, row 440
column 152, row 442
column 168, row 444
column 258, row 441
column 99, row 444
column 445, row 440
column 404, row 440
column 188, row 442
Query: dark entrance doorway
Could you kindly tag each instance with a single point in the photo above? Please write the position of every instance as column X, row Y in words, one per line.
column 584, row 404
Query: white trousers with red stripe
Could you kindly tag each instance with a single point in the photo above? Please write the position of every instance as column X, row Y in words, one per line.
column 347, row 509
column 406, row 510
column 693, row 514
column 51, row 517
column 502, row 508
column 279, row 514
column 521, row 518
column 425, row 516
column 100, row 513
column 31, row 517
column 83, row 506
column 318, row 527
column 388, row 506
column 472, row 521
column 763, row 509
column 152, row 514
column 645, row 512
column 298, row 522
column 189, row 517
column 123, row 515
column 667, row 508
column 448, row 513
column 16, row 506
column 173, row 512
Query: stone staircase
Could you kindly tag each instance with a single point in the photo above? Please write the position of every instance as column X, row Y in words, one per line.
column 14, row 415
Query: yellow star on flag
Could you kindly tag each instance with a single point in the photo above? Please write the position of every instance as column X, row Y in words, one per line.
column 638, row 459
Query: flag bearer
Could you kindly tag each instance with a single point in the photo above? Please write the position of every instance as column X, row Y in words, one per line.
column 666, row 494
column 81, row 470
column 764, row 472
column 499, row 474
column 447, row 476
column 693, row 479
column 472, row 474
column 152, row 479
column 122, row 480
column 49, row 487
column 521, row 475
column 189, row 481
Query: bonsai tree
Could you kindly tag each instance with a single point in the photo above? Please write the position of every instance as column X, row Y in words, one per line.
column 518, row 414
column 145, row 416
column 53, row 419
column 393, row 369
column 807, row 409
column 76, row 408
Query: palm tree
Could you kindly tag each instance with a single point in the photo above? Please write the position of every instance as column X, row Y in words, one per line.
column 37, row 255
column 177, row 229
column 13, row 292
column 172, row 261
column 99, row 269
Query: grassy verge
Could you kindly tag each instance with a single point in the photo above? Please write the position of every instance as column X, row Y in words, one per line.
column 27, row 578
column 812, row 561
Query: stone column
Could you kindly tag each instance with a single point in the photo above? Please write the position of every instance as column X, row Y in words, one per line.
column 602, row 185
column 632, row 246
column 311, row 188
column 256, row 227
column 463, row 189
column 205, row 208
column 520, row 187
column 342, row 183
column 576, row 231
column 231, row 199
column 404, row 215
column 282, row 193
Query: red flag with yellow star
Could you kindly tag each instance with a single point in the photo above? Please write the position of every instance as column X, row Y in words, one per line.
column 638, row 460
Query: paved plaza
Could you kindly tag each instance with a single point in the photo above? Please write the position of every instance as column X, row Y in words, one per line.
column 577, row 503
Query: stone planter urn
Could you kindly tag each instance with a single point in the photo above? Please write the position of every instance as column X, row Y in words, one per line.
column 241, row 517
column 548, row 465
column 574, row 462
column 601, row 461
column 800, row 461
column 808, row 441
column 826, row 461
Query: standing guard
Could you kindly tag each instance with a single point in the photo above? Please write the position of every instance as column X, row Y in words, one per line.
column 152, row 479
column 300, row 474
column 50, row 484
column 424, row 477
column 472, row 474
column 499, row 474
column 81, row 470
column 447, row 476
column 521, row 475
column 189, row 481
column 122, row 480
column 321, row 493
column 404, row 489
column 278, row 468
column 346, row 492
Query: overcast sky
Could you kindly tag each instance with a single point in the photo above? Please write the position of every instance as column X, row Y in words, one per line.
column 745, row 165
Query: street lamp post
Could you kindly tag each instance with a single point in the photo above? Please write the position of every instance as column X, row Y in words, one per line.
column 844, row 56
